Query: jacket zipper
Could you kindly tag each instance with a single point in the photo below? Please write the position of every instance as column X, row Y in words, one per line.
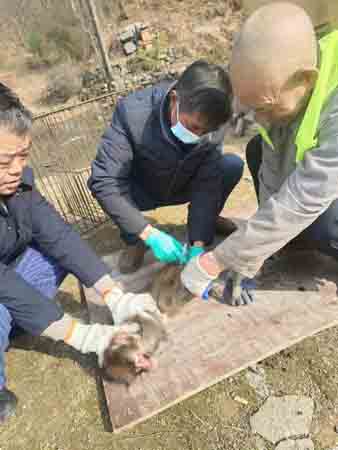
column 177, row 171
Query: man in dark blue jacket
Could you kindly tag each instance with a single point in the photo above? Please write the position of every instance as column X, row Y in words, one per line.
column 163, row 147
column 37, row 250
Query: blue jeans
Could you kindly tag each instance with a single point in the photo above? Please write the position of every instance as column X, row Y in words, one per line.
column 322, row 234
column 41, row 272
column 232, row 167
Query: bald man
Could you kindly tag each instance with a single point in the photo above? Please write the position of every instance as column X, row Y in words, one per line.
column 279, row 70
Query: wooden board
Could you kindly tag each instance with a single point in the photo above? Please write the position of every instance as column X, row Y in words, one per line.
column 208, row 342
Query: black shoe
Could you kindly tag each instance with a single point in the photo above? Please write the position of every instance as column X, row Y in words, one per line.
column 8, row 402
column 16, row 332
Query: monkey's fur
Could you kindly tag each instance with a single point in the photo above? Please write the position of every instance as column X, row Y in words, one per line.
column 131, row 354
column 168, row 292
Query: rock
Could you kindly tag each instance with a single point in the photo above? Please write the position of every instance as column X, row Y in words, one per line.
column 241, row 400
column 259, row 443
column 257, row 380
column 140, row 26
column 128, row 34
column 129, row 48
column 283, row 417
column 146, row 38
column 87, row 78
column 301, row 444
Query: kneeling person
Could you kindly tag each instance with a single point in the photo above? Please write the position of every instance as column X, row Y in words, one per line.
column 37, row 250
column 164, row 147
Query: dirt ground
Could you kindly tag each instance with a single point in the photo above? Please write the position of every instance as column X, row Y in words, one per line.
column 196, row 28
column 59, row 405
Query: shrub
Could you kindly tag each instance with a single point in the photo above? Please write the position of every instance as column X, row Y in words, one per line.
column 64, row 82
column 57, row 46
column 34, row 43
column 68, row 41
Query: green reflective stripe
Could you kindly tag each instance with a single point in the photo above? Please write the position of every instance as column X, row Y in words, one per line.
column 327, row 82
column 265, row 135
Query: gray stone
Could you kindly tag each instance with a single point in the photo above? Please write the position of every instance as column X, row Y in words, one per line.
column 283, row 417
column 128, row 34
column 257, row 380
column 129, row 48
column 301, row 444
column 259, row 443
column 140, row 26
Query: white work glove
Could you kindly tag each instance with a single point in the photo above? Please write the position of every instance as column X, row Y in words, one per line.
column 196, row 279
column 97, row 337
column 125, row 306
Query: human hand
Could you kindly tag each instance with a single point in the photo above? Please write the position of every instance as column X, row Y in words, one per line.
column 196, row 279
column 238, row 289
column 126, row 306
column 166, row 248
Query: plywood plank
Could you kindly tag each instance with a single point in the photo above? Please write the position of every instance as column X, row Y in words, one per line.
column 209, row 341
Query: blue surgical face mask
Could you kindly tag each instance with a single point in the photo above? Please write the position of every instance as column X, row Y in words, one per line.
column 182, row 133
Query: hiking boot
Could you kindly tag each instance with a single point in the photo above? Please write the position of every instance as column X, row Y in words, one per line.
column 225, row 226
column 8, row 402
column 131, row 258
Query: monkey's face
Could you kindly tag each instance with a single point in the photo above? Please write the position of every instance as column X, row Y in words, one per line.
column 131, row 354
column 126, row 358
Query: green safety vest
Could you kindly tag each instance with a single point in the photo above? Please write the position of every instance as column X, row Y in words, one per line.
column 326, row 83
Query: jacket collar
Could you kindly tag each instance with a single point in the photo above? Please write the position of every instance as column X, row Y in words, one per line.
column 27, row 178
column 26, row 184
column 162, row 111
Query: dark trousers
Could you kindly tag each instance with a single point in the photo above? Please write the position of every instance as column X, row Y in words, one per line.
column 232, row 167
column 322, row 234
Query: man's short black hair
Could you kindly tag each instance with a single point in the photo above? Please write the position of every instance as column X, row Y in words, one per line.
column 14, row 116
column 206, row 88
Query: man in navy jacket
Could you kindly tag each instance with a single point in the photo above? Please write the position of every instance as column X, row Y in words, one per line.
column 37, row 250
column 164, row 146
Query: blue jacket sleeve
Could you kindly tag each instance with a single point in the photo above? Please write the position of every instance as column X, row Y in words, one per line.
column 110, row 178
column 57, row 239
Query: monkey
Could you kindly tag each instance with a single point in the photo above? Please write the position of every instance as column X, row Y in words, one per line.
column 167, row 288
column 131, row 354
column 168, row 292
column 171, row 296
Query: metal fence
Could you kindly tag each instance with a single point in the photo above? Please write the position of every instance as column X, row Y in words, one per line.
column 64, row 144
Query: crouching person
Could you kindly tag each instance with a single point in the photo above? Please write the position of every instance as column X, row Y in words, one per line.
column 164, row 147
column 37, row 250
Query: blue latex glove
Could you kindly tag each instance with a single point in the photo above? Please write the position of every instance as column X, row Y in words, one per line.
column 165, row 248
column 238, row 289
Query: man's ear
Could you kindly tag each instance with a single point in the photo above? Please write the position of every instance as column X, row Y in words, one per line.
column 173, row 95
column 310, row 77
column 173, row 106
column 305, row 77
